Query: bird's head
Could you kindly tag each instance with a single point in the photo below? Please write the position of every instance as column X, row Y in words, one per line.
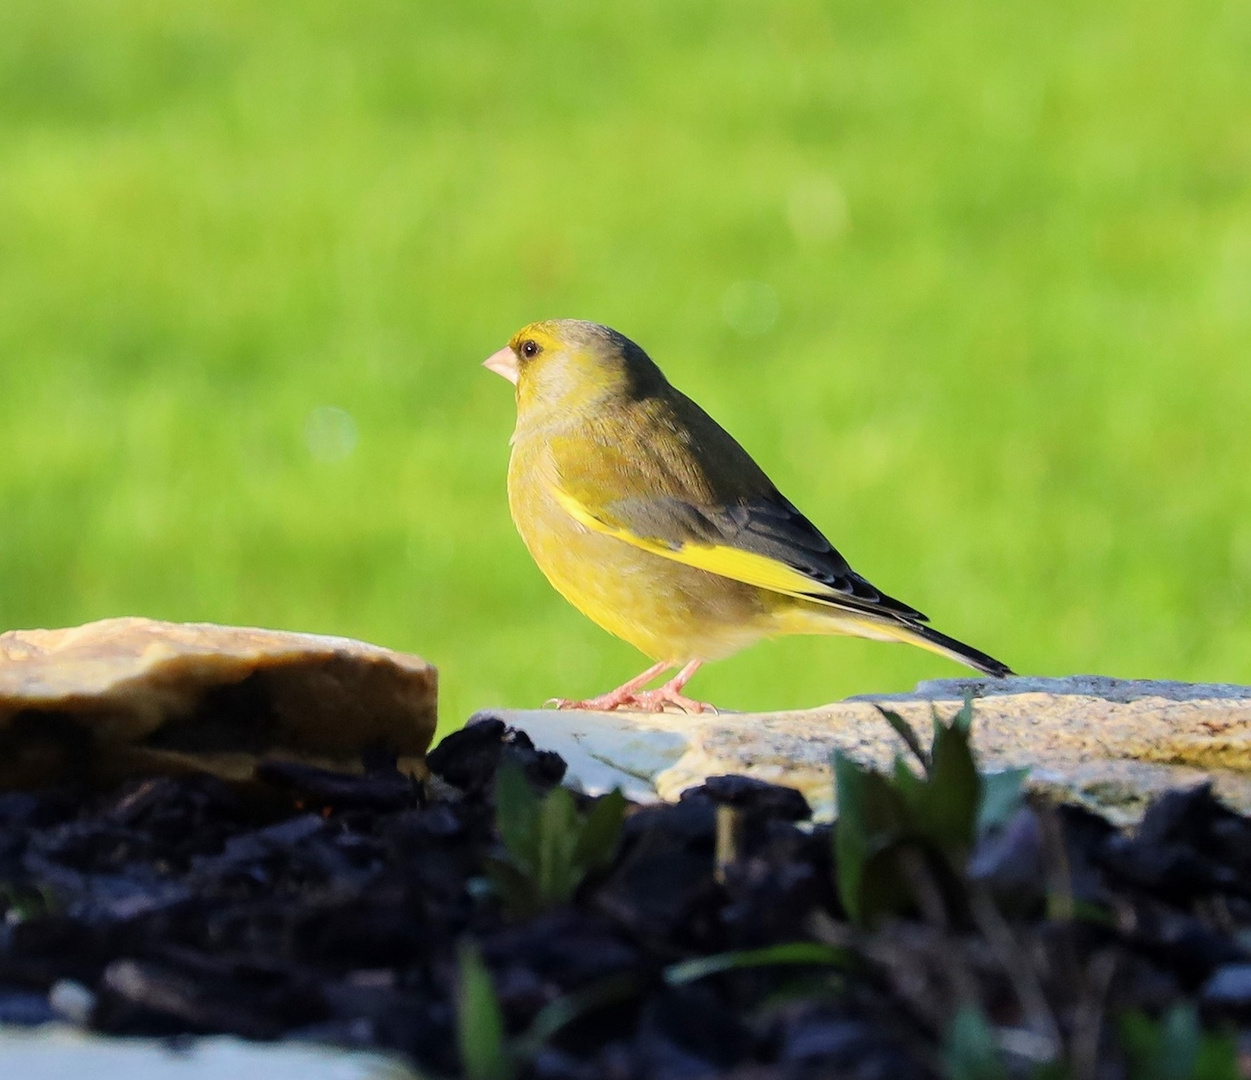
column 568, row 365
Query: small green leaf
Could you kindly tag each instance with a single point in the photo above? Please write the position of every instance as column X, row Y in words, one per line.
column 479, row 1020
column 885, row 813
column 963, row 720
column 1217, row 1059
column 1084, row 911
column 551, row 845
column 798, row 952
column 884, row 887
column 851, row 842
column 567, row 1008
column 970, row 1051
column 885, row 823
column 949, row 812
column 911, row 787
column 558, row 837
column 1179, row 1048
column 19, row 902
column 517, row 810
column 872, row 818
column 1176, row 1048
column 601, row 831
column 909, row 735
column 1001, row 797
column 517, row 889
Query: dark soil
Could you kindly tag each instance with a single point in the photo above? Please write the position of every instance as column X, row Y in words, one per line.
column 330, row 907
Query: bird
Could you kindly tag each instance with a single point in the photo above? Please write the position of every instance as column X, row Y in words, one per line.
column 648, row 517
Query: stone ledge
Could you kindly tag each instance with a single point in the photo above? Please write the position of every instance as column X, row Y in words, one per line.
column 1110, row 744
column 132, row 696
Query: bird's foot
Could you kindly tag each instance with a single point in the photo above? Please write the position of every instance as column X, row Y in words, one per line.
column 603, row 703
column 663, row 696
column 631, row 695
column 640, row 701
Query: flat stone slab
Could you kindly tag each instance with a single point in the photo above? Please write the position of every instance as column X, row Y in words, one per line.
column 131, row 696
column 1110, row 744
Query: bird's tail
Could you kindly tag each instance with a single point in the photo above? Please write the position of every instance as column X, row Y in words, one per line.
column 935, row 641
column 884, row 626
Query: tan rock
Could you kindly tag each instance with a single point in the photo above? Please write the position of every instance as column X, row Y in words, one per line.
column 1107, row 743
column 135, row 696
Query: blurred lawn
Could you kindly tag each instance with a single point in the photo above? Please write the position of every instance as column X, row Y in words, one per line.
column 971, row 280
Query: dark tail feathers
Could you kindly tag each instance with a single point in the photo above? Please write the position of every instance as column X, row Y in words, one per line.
column 958, row 650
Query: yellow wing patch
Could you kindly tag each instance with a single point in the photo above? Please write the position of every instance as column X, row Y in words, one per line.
column 730, row 562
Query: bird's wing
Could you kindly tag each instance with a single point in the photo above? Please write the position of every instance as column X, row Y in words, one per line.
column 766, row 544
column 731, row 522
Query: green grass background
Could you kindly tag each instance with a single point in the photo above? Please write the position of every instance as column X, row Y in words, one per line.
column 1001, row 351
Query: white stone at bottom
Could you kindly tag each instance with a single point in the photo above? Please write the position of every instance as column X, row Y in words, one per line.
column 52, row 1052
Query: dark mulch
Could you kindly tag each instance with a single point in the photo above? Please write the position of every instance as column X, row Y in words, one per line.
column 330, row 907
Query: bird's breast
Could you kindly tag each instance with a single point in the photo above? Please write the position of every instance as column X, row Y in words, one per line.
column 667, row 610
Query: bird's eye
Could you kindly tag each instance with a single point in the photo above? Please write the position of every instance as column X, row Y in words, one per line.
column 529, row 349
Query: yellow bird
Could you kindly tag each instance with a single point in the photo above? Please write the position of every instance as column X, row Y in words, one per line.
column 652, row 521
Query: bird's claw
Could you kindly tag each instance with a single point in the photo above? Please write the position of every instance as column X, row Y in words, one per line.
column 565, row 703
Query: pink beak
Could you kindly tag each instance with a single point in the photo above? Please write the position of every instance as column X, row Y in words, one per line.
column 503, row 363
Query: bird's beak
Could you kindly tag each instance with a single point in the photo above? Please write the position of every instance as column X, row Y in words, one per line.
column 503, row 363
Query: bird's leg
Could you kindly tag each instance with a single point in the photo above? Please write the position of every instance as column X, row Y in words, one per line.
column 671, row 693
column 625, row 694
column 631, row 695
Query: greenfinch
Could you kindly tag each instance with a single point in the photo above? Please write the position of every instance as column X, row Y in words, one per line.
column 648, row 517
